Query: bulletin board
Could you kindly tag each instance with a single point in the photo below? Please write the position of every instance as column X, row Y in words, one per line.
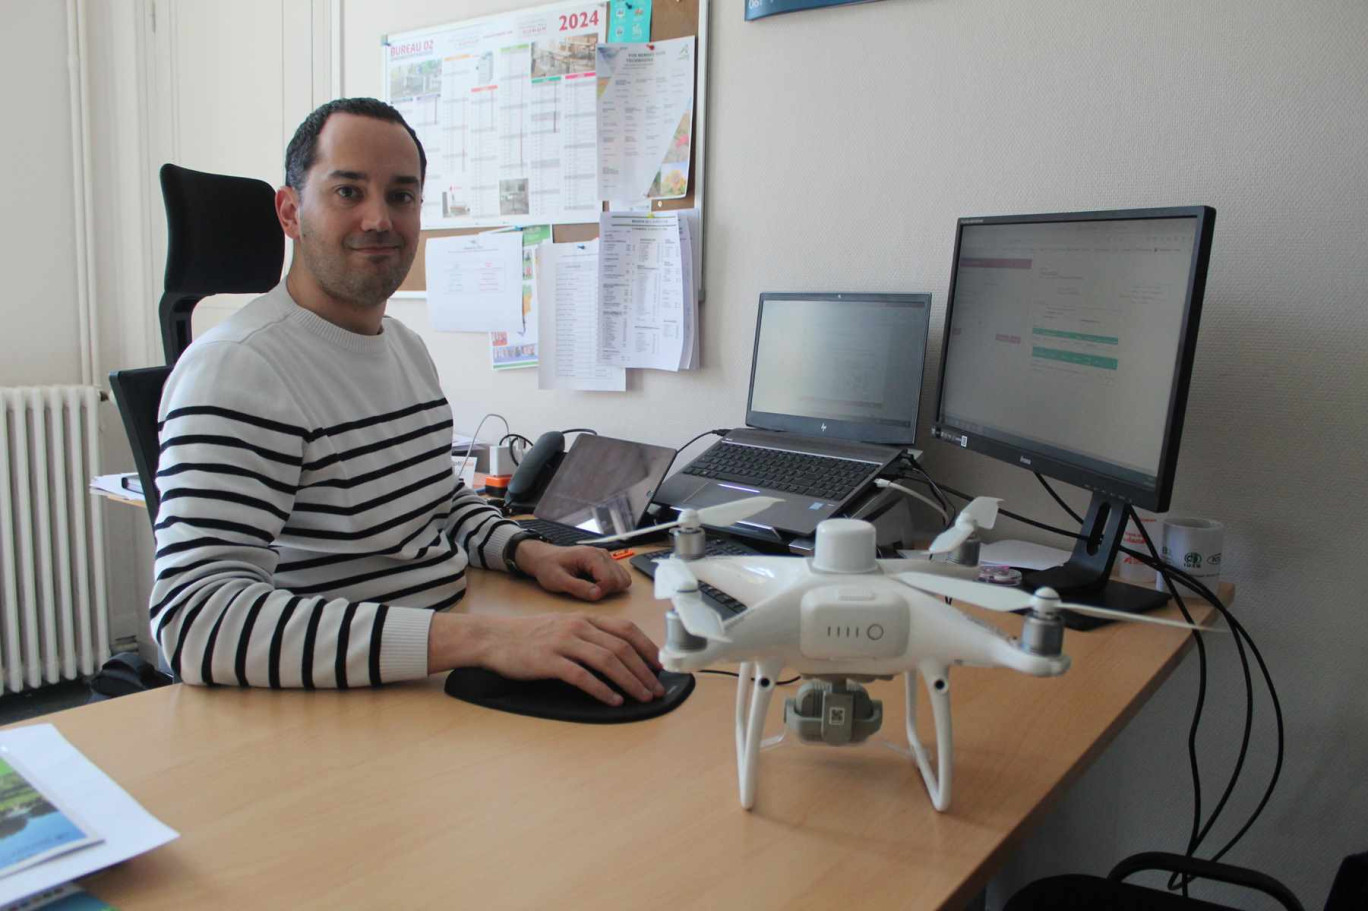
column 669, row 19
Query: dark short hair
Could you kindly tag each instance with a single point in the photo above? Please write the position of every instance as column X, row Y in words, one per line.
column 303, row 148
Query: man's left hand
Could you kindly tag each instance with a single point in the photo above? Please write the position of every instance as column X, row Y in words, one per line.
column 587, row 573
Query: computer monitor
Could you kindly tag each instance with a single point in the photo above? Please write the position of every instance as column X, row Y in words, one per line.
column 844, row 366
column 1068, row 348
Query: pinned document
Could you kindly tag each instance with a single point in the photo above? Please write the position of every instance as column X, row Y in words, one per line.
column 642, row 307
column 645, row 121
column 474, row 282
column 567, row 283
column 508, row 350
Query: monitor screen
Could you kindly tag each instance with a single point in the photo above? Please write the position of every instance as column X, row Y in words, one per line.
column 1069, row 343
column 604, row 485
column 840, row 365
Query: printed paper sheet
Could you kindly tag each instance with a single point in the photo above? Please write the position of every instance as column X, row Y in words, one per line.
column 473, row 282
column 567, row 278
column 645, row 121
column 518, row 348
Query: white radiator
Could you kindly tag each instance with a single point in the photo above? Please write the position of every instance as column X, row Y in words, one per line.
column 54, row 619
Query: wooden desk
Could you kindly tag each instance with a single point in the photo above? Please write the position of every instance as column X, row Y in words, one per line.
column 404, row 798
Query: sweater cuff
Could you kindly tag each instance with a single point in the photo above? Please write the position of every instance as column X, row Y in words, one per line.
column 404, row 644
column 492, row 553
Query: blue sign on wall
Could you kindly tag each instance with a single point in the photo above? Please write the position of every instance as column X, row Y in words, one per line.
column 759, row 9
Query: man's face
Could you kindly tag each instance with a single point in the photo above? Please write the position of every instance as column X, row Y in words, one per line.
column 357, row 219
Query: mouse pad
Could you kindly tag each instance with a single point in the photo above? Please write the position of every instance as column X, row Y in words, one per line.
column 558, row 700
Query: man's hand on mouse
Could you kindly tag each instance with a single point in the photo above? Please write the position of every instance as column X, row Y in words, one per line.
column 553, row 645
column 587, row 573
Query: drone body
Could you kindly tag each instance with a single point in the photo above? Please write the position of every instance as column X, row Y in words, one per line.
column 840, row 615
column 843, row 616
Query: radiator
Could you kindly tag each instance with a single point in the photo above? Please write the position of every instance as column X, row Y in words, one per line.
column 54, row 618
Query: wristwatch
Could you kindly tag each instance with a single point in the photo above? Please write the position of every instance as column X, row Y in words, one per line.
column 511, row 548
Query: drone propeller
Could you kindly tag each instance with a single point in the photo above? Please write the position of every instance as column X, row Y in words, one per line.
column 721, row 515
column 674, row 580
column 980, row 513
column 999, row 598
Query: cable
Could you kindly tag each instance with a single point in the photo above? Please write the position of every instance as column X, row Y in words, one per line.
column 1193, row 764
column 581, row 430
column 511, row 438
column 940, row 510
column 930, row 482
column 721, row 431
column 1241, row 633
column 1057, row 498
column 475, row 438
column 735, row 674
column 1196, row 712
column 1200, row 831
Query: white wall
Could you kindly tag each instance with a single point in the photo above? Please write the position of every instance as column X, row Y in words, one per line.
column 842, row 146
column 40, row 343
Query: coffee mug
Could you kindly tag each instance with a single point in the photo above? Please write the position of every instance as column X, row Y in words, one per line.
column 1194, row 546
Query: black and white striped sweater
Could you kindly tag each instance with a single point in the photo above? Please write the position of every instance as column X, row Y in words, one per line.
column 310, row 520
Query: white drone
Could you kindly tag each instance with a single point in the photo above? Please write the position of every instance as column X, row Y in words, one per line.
column 842, row 617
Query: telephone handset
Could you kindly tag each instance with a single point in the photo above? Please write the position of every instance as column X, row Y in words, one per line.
column 534, row 472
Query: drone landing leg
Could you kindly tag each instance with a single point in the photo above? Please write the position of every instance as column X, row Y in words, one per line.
column 937, row 679
column 750, row 727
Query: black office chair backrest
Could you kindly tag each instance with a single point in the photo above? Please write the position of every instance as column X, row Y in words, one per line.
column 138, row 394
column 223, row 237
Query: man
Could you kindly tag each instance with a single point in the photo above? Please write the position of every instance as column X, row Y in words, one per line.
column 311, row 530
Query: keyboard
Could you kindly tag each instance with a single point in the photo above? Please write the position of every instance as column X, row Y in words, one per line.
column 808, row 475
column 565, row 535
column 722, row 603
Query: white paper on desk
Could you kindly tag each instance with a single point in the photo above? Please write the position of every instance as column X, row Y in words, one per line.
column 127, row 828
column 112, row 485
column 474, row 282
column 641, row 291
column 1022, row 554
column 567, row 294
column 645, row 120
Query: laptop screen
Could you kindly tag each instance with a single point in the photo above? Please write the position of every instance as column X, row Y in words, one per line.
column 604, row 485
column 847, row 366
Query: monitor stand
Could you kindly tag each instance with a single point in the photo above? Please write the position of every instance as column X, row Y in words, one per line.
column 1086, row 577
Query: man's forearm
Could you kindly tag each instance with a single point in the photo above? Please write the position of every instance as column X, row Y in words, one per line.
column 457, row 640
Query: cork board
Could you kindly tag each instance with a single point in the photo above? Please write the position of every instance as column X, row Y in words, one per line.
column 669, row 19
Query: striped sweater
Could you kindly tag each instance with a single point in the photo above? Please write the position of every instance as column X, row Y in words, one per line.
column 310, row 520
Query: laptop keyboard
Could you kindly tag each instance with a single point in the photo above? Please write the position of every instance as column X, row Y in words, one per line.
column 792, row 472
column 722, row 603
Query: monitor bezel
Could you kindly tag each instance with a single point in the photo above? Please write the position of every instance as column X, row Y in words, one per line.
column 1046, row 463
column 854, row 431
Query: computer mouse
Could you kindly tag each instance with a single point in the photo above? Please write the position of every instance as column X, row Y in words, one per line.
column 559, row 701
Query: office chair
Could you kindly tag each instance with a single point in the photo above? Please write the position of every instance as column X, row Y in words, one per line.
column 138, row 393
column 222, row 238
column 1077, row 891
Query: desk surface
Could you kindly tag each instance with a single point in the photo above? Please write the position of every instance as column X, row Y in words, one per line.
column 403, row 797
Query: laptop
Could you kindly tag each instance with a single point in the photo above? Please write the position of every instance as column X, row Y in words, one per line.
column 834, row 391
column 603, row 487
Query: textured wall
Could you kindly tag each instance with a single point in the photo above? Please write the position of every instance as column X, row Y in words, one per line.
column 843, row 145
